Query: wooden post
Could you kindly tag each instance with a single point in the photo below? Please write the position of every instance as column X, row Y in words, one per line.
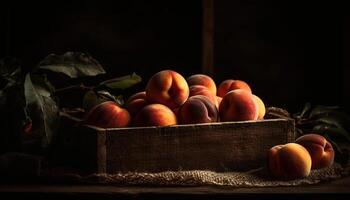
column 208, row 38
column 346, row 64
column 5, row 32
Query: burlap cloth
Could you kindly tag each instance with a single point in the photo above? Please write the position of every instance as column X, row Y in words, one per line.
column 254, row 178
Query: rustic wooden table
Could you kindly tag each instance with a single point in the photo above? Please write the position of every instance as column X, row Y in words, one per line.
column 337, row 189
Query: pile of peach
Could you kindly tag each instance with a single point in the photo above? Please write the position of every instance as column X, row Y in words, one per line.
column 295, row 160
column 170, row 99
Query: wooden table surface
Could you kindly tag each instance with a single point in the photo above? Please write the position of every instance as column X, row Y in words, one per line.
column 337, row 189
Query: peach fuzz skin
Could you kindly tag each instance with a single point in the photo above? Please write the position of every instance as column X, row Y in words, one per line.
column 135, row 106
column 289, row 161
column 321, row 151
column 201, row 90
column 136, row 102
column 167, row 87
column 261, row 105
column 108, row 115
column 229, row 85
column 197, row 109
column 155, row 115
column 218, row 99
column 204, row 80
column 238, row 105
column 138, row 95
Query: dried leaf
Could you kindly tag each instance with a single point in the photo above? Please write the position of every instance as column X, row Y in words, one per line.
column 275, row 112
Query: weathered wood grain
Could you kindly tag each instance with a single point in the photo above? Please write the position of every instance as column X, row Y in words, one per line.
column 217, row 146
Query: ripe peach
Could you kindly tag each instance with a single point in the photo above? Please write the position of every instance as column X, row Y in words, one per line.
column 218, row 99
column 228, row 85
column 155, row 115
column 176, row 111
column 238, row 105
column 136, row 105
column 201, row 90
column 136, row 102
column 138, row 95
column 204, row 80
column 167, row 87
column 108, row 115
column 198, row 109
column 321, row 151
column 261, row 106
column 289, row 161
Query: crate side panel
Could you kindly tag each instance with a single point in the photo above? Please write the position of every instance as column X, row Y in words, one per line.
column 218, row 147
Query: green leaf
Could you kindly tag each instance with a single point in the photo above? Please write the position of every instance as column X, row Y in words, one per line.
column 90, row 100
column 307, row 108
column 42, row 108
column 72, row 64
column 10, row 73
column 50, row 120
column 9, row 67
column 13, row 116
column 335, row 117
column 93, row 98
column 120, row 100
column 332, row 131
column 334, row 144
column 106, row 96
column 42, row 85
column 122, row 82
column 341, row 154
column 333, row 121
column 321, row 110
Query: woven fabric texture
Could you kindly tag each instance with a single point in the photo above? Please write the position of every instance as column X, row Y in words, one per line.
column 254, row 178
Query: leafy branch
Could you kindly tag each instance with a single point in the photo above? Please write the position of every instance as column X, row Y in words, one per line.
column 38, row 103
column 328, row 121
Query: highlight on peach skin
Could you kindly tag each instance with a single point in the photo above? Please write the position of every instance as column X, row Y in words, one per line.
column 289, row 161
column 201, row 90
column 198, row 109
column 229, row 85
column 136, row 102
column 218, row 99
column 261, row 105
column 238, row 105
column 108, row 115
column 155, row 115
column 167, row 87
column 138, row 95
column 204, row 80
column 321, row 150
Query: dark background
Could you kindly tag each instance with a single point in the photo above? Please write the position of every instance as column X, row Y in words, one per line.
column 290, row 53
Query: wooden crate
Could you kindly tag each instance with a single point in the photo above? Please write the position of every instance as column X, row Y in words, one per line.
column 222, row 146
